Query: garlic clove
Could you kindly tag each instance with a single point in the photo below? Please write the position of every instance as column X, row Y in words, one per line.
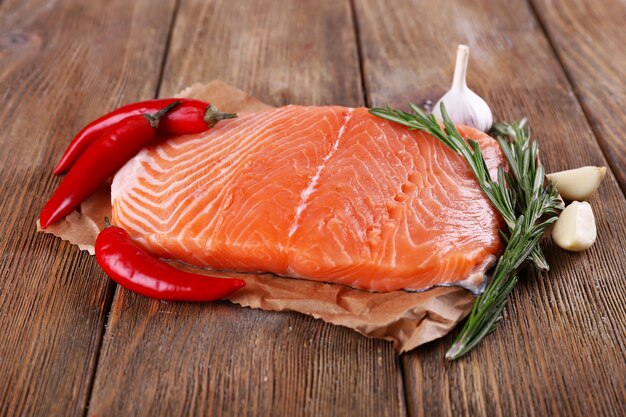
column 463, row 105
column 575, row 230
column 578, row 184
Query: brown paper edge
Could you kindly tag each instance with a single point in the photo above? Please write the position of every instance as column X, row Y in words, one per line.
column 404, row 318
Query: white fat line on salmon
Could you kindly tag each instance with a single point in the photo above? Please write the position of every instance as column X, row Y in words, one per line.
column 304, row 196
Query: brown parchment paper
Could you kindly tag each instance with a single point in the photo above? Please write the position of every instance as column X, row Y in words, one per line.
column 404, row 318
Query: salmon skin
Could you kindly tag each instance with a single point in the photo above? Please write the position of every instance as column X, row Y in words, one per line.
column 330, row 194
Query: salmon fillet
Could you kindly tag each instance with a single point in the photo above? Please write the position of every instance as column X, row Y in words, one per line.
column 330, row 194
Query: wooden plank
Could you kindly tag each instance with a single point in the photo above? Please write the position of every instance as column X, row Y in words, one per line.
column 560, row 349
column 62, row 64
column 589, row 39
column 220, row 359
column 283, row 52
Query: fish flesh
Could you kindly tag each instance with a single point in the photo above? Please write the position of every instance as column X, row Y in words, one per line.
column 329, row 193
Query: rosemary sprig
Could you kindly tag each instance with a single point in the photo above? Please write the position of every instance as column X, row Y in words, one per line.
column 527, row 201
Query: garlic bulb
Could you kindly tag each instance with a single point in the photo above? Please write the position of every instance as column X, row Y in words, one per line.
column 463, row 105
column 578, row 184
column 575, row 230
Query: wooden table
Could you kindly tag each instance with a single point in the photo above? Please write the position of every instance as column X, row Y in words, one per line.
column 74, row 344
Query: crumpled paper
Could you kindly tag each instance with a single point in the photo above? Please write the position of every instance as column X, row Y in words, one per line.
column 407, row 319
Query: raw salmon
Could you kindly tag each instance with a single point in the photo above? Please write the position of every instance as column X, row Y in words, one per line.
column 331, row 194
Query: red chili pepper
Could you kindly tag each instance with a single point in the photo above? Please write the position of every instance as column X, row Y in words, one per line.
column 100, row 161
column 192, row 116
column 136, row 270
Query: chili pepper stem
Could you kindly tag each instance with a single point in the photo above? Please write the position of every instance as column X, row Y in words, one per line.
column 107, row 222
column 213, row 115
column 155, row 118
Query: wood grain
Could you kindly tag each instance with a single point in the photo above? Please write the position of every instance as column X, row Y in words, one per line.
column 219, row 359
column 560, row 349
column 286, row 52
column 61, row 64
column 589, row 39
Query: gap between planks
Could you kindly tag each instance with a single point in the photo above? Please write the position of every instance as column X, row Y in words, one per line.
column 359, row 51
column 402, row 377
column 166, row 52
column 113, row 293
